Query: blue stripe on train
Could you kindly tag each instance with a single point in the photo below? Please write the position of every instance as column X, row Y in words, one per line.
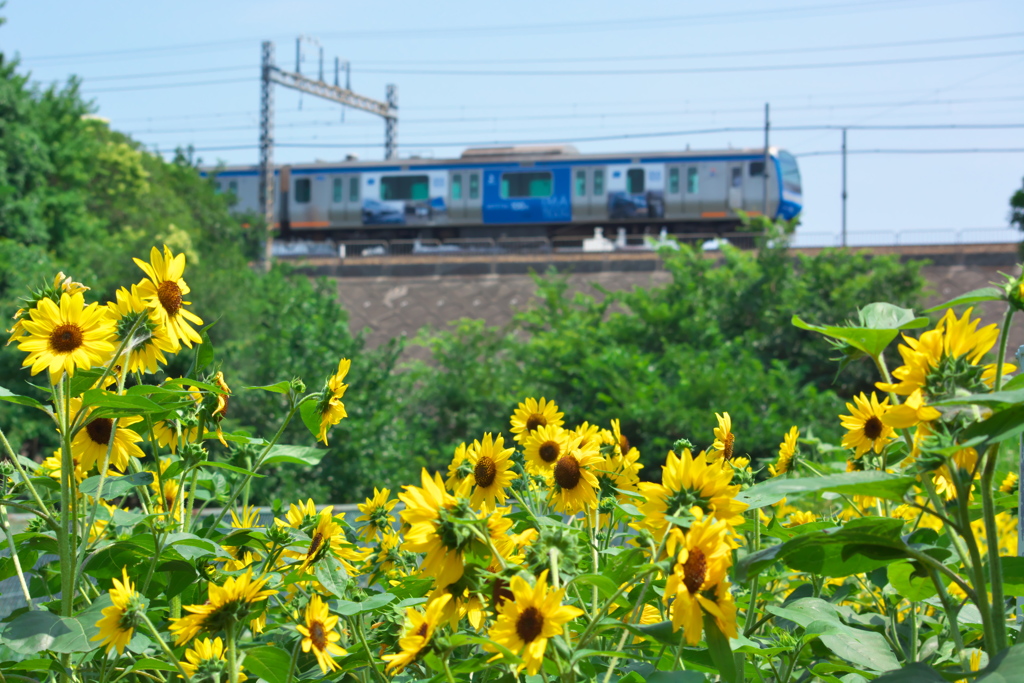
column 552, row 209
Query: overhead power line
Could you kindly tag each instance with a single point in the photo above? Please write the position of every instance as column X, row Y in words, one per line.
column 963, row 150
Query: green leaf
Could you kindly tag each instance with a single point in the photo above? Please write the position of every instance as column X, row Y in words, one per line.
column 994, row 399
column 204, row 352
column 35, row 631
column 310, row 417
column 347, row 608
column 139, row 405
column 1004, row 667
column 662, row 632
column 268, row 662
column 231, row 468
column 867, row 483
column 11, row 397
column 999, row 427
column 115, row 487
column 278, row 388
column 910, row 581
column 605, row 586
column 881, row 322
column 721, row 653
column 973, row 297
column 147, row 664
column 332, row 576
column 296, row 455
column 885, row 316
column 1013, row 575
column 190, row 546
column 912, row 673
column 864, row 649
column 675, row 677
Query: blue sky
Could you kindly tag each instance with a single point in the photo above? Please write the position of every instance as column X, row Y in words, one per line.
column 187, row 73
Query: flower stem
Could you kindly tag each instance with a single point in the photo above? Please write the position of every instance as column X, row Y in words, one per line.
column 366, row 646
column 14, row 558
column 232, row 652
column 163, row 646
column 294, row 661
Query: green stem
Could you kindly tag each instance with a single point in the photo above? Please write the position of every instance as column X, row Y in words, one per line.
column 992, row 534
column 951, row 611
column 447, row 670
column 913, row 631
column 163, row 646
column 41, row 512
column 981, row 598
column 294, row 661
column 14, row 557
column 748, row 620
column 232, row 652
column 366, row 646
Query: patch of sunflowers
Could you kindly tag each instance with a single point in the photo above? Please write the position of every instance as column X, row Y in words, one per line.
column 543, row 553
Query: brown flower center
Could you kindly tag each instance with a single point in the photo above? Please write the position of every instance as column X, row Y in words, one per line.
column 567, row 472
column 500, row 592
column 65, row 338
column 314, row 545
column 318, row 635
column 485, row 471
column 529, row 624
column 169, row 294
column 535, row 421
column 99, row 430
column 623, row 443
column 695, row 570
column 873, row 427
column 730, row 439
column 549, row 451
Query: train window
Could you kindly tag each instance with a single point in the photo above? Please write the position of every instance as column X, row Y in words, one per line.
column 581, row 183
column 302, row 190
column 353, row 189
column 692, row 180
column 599, row 181
column 673, row 181
column 474, row 186
column 337, row 190
column 457, row 186
column 737, row 176
column 414, row 187
column 756, row 168
column 635, row 181
column 790, row 173
column 526, row 184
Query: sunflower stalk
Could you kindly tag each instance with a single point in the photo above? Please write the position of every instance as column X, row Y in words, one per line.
column 167, row 650
column 40, row 510
column 14, row 558
column 357, row 621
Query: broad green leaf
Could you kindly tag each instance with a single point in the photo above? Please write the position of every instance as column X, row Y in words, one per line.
column 204, row 352
column 1013, row 575
column 605, row 586
column 868, row 483
column 33, row 632
column 310, row 417
column 278, row 388
column 332, row 576
column 973, row 297
column 1005, row 667
column 885, row 316
column 912, row 673
column 999, row 427
column 231, row 468
column 148, row 664
column 676, row 677
column 347, row 608
column 190, row 546
column 880, row 323
column 11, row 397
column 721, row 653
column 910, row 581
column 268, row 662
column 136, row 404
column 662, row 632
column 115, row 487
column 864, row 649
column 296, row 455
column 996, row 398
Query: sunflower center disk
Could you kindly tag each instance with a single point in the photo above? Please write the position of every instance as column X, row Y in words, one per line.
column 549, row 451
column 535, row 421
column 485, row 471
column 66, row 338
column 421, row 631
column 873, row 427
column 529, row 624
column 695, row 570
column 567, row 472
column 318, row 635
column 624, row 443
column 727, row 451
column 314, row 545
column 99, row 430
column 500, row 592
column 169, row 294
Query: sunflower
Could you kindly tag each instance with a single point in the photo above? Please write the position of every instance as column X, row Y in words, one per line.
column 529, row 619
column 966, row 462
column 242, row 556
column 530, row 414
column 51, row 467
column 687, row 482
column 377, row 514
column 65, row 338
column 385, row 556
column 427, row 512
column 226, row 604
column 491, row 472
column 865, row 428
column 61, row 285
column 330, row 408
column 320, row 636
column 545, row 445
column 419, row 629
column 798, row 517
column 299, row 515
column 946, row 358
column 1009, row 484
column 787, row 452
column 704, row 556
column 463, row 603
column 120, row 619
column 206, row 661
column 912, row 412
column 574, row 482
column 460, row 472
column 725, row 440
column 89, row 445
column 509, row 545
column 149, row 342
column 166, row 490
column 587, row 433
column 173, row 433
column 321, row 539
column 162, row 290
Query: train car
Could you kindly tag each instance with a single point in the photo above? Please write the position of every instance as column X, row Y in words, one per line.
column 522, row 192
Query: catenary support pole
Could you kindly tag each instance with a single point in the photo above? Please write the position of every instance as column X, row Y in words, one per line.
column 266, row 189
column 844, row 187
column 767, row 162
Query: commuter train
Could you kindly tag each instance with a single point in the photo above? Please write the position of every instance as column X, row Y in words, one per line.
column 521, row 192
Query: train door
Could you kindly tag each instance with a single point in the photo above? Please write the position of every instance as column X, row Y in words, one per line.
column 581, row 193
column 753, row 190
column 457, row 193
column 674, row 191
column 691, row 190
column 343, row 200
column 736, row 186
column 599, row 193
column 474, row 191
column 714, row 184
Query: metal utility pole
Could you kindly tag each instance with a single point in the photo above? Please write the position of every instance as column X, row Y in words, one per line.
column 271, row 74
column 844, row 188
column 767, row 160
